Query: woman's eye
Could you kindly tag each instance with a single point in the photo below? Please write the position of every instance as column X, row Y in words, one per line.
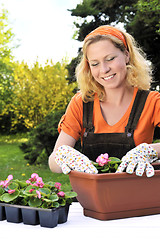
column 110, row 59
column 94, row 64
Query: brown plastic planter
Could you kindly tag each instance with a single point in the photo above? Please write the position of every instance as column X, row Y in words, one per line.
column 117, row 195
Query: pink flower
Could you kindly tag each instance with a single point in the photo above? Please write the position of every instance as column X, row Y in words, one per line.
column 31, row 190
column 10, row 191
column 6, row 182
column 103, row 159
column 38, row 194
column 34, row 177
column 39, row 182
column 9, row 178
column 35, row 180
column 57, row 185
column 34, row 184
column 2, row 183
column 61, row 194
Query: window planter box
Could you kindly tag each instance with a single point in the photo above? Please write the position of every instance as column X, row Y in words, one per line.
column 117, row 195
column 34, row 216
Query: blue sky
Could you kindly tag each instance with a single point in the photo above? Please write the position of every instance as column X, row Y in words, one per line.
column 43, row 29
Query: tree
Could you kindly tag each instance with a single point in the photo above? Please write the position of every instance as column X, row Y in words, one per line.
column 140, row 18
column 93, row 13
column 145, row 27
column 149, row 12
column 38, row 91
column 6, row 68
column 42, row 139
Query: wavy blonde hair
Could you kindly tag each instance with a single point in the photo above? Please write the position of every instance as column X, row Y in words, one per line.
column 139, row 71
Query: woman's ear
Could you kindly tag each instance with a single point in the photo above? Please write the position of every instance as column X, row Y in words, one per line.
column 127, row 56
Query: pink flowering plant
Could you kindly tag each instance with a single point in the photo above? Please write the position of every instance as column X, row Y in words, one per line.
column 106, row 164
column 34, row 192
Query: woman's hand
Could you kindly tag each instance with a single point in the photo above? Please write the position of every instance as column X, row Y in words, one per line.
column 70, row 159
column 140, row 158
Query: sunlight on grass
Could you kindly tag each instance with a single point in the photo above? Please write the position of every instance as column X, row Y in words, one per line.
column 12, row 162
column 18, row 138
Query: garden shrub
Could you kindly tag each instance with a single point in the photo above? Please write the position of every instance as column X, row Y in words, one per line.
column 42, row 139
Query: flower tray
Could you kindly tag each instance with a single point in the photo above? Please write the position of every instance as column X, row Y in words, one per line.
column 2, row 213
column 117, row 195
column 34, row 216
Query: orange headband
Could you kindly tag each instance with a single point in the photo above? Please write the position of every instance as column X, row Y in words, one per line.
column 108, row 30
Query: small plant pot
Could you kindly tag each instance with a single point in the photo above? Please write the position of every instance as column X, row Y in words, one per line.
column 13, row 213
column 30, row 216
column 63, row 214
column 117, row 195
column 2, row 213
column 34, row 216
column 48, row 217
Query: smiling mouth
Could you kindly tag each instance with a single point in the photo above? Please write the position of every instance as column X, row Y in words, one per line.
column 111, row 76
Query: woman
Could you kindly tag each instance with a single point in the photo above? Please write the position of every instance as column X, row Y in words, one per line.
column 114, row 112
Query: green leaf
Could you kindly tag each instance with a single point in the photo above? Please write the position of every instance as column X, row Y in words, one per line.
column 27, row 193
column 24, row 202
column 44, row 205
column 27, row 190
column 106, row 167
column 116, row 166
column 30, row 187
column 1, row 191
column 70, row 194
column 44, row 191
column 62, row 202
column 95, row 164
column 50, row 205
column 114, row 159
column 35, row 202
column 13, row 185
column 21, row 184
column 53, row 197
column 6, row 197
column 50, row 184
column 47, row 200
column 55, row 204
column 105, row 170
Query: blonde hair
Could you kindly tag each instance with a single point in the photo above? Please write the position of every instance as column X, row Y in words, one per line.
column 138, row 69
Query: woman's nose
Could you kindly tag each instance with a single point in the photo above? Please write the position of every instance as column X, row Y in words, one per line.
column 104, row 68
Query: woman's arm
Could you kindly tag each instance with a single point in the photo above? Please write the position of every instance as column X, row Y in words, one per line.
column 63, row 139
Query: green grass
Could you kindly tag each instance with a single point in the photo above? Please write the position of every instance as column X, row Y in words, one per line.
column 12, row 162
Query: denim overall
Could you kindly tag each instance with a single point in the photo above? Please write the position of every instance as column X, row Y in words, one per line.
column 115, row 144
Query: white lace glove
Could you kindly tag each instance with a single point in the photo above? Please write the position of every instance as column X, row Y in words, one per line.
column 70, row 159
column 140, row 158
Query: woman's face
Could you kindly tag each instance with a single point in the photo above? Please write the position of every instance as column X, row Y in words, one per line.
column 107, row 64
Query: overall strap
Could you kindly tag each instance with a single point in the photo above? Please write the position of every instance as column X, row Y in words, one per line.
column 87, row 116
column 135, row 114
column 136, row 111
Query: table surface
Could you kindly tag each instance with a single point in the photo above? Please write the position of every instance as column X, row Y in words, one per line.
column 77, row 225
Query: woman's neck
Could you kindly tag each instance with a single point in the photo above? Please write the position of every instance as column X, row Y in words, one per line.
column 119, row 95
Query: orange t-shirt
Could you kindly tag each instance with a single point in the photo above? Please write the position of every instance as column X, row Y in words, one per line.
column 72, row 121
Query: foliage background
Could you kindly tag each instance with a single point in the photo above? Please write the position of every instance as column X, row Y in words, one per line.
column 141, row 18
column 33, row 98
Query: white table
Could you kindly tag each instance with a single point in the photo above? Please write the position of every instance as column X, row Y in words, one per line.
column 80, row 227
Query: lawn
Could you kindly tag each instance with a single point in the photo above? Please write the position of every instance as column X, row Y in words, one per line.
column 12, row 162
